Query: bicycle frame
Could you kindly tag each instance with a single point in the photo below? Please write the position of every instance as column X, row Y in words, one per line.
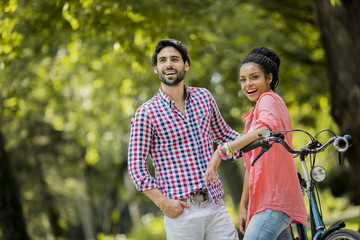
column 318, row 230
column 317, row 225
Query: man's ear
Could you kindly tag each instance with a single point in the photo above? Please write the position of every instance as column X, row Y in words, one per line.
column 155, row 69
column 187, row 67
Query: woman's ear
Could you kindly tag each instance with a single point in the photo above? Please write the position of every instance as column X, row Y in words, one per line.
column 269, row 78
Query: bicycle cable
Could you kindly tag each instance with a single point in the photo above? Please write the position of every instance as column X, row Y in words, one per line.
column 312, row 163
column 297, row 130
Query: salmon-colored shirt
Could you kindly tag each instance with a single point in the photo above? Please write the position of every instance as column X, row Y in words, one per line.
column 273, row 180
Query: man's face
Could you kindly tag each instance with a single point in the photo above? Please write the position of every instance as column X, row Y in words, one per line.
column 170, row 66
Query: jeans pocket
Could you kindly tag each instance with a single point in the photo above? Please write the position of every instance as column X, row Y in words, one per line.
column 177, row 218
column 287, row 218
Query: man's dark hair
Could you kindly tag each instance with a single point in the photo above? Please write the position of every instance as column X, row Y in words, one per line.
column 178, row 45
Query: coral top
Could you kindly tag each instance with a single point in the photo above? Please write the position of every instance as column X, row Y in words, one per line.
column 273, row 181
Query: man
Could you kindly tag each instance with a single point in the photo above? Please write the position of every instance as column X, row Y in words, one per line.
column 176, row 128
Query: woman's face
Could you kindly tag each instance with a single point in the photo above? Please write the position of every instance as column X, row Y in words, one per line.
column 253, row 81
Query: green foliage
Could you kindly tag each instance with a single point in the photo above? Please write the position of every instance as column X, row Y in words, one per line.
column 151, row 228
column 72, row 74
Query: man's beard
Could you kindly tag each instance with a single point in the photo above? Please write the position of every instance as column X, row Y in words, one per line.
column 174, row 81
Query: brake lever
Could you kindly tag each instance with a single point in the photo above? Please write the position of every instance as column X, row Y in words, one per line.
column 265, row 147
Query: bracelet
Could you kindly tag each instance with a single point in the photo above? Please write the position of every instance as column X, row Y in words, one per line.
column 221, row 154
column 232, row 152
column 228, row 152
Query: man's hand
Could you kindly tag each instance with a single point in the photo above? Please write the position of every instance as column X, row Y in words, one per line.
column 173, row 208
column 170, row 207
column 210, row 175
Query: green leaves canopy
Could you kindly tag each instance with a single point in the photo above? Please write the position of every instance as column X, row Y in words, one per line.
column 74, row 72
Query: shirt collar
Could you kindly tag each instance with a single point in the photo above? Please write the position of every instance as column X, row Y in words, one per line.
column 253, row 108
column 187, row 92
column 166, row 99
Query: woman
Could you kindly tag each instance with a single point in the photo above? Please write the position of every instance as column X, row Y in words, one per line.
column 271, row 197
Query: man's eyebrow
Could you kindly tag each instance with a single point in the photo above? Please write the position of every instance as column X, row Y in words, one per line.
column 175, row 56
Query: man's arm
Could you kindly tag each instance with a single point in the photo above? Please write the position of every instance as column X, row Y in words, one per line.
column 220, row 130
column 139, row 149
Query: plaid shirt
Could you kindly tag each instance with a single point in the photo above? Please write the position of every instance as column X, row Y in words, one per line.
column 179, row 147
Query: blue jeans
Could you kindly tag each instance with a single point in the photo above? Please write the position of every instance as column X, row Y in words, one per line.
column 268, row 225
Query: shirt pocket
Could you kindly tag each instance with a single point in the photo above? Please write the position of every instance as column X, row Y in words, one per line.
column 203, row 121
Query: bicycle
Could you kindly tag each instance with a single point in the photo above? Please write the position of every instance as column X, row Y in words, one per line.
column 309, row 182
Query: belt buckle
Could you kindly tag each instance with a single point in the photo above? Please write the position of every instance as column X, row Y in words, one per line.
column 204, row 195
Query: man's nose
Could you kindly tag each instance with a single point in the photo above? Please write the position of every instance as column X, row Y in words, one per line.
column 168, row 63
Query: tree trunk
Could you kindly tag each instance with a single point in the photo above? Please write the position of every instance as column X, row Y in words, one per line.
column 85, row 207
column 12, row 222
column 339, row 25
column 49, row 202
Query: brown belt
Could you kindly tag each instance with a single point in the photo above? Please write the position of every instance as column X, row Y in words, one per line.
column 198, row 198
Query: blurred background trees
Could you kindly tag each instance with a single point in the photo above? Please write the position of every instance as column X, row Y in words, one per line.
column 73, row 73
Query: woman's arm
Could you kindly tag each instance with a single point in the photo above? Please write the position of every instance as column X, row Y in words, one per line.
column 244, row 204
column 247, row 138
column 240, row 142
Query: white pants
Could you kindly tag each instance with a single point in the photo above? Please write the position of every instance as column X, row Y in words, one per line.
column 202, row 221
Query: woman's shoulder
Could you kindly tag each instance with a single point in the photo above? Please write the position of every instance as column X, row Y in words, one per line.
column 270, row 97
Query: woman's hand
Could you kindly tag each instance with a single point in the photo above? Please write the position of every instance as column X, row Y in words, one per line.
column 210, row 175
column 242, row 219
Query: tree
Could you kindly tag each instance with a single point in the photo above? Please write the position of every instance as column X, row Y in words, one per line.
column 12, row 222
column 339, row 24
column 72, row 73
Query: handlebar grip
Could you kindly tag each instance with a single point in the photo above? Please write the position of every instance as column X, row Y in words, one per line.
column 343, row 143
column 251, row 146
column 349, row 139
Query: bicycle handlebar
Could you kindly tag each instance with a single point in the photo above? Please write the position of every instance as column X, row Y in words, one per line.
column 341, row 144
